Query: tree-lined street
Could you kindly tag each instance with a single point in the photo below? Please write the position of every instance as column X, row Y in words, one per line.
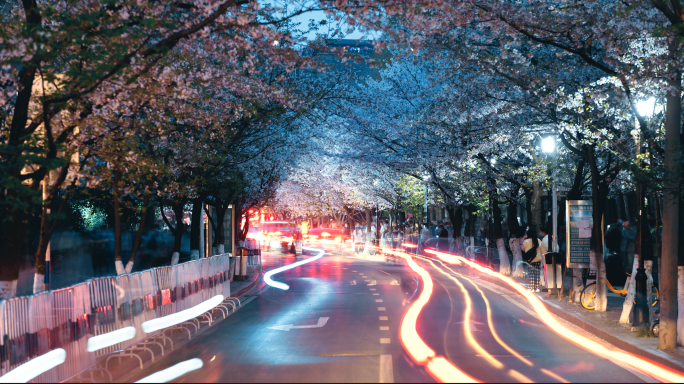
column 151, row 147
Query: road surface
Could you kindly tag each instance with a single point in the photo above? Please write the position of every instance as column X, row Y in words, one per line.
column 340, row 319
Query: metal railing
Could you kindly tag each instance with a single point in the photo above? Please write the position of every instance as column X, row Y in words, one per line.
column 67, row 318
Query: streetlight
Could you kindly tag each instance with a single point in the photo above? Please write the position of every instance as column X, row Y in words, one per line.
column 645, row 108
column 548, row 145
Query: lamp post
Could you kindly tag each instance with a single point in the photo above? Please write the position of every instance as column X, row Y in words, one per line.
column 549, row 146
column 641, row 312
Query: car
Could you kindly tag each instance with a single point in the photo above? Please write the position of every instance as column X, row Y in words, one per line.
column 277, row 234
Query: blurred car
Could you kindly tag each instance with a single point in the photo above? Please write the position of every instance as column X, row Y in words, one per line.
column 276, row 234
column 330, row 239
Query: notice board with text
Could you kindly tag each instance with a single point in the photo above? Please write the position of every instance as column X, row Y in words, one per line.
column 579, row 223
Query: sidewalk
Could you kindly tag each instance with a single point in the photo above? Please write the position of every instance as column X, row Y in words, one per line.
column 129, row 368
column 603, row 325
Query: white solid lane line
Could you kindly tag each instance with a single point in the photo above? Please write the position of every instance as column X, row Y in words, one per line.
column 174, row 372
column 33, row 368
column 386, row 369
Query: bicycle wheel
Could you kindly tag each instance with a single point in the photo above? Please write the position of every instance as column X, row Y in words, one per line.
column 587, row 296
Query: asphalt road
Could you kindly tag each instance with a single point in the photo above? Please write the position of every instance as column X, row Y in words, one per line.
column 339, row 322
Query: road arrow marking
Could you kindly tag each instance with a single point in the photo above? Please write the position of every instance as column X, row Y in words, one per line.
column 473, row 328
column 353, row 282
column 394, row 282
column 321, row 322
column 373, row 283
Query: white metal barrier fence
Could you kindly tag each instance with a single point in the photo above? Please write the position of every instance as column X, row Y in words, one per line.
column 66, row 318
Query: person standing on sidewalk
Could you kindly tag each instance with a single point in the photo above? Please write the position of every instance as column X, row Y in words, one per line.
column 532, row 254
column 443, row 242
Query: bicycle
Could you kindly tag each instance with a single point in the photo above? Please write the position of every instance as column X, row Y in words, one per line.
column 589, row 292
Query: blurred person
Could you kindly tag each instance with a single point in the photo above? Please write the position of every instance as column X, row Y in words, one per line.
column 424, row 235
column 443, row 242
column 532, row 254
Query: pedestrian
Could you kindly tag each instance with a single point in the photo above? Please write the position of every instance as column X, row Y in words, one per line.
column 532, row 254
column 443, row 242
column 543, row 250
column 424, row 235
column 383, row 230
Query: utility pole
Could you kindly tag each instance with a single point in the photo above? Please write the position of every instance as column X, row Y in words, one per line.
column 426, row 204
column 641, row 313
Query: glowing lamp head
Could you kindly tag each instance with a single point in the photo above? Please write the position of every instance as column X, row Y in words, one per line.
column 646, row 108
column 549, row 144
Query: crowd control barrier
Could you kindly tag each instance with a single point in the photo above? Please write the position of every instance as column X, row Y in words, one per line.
column 72, row 318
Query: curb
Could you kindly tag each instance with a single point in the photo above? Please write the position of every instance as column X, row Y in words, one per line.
column 619, row 341
column 177, row 345
column 247, row 287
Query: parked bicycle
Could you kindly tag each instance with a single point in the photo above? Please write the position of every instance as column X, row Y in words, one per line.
column 589, row 293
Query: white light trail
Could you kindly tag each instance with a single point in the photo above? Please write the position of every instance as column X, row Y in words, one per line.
column 182, row 316
column 283, row 286
column 98, row 342
column 35, row 367
column 174, row 372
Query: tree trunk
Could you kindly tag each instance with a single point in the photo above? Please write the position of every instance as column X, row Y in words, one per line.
column 195, row 229
column 138, row 235
column 369, row 235
column 120, row 270
column 458, row 226
column 43, row 243
column 504, row 262
column 599, row 194
column 515, row 230
column 536, row 206
column 667, row 337
column 180, row 226
column 629, row 299
column 470, row 229
column 220, row 238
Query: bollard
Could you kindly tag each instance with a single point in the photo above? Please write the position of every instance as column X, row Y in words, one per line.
column 241, row 256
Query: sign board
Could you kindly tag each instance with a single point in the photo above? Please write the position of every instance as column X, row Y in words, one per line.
column 579, row 223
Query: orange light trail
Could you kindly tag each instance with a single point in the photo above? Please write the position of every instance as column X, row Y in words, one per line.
column 645, row 366
column 466, row 321
column 409, row 245
column 489, row 317
column 437, row 366
column 490, row 323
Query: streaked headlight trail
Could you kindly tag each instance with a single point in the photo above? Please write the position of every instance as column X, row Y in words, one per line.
column 276, row 284
column 648, row 367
